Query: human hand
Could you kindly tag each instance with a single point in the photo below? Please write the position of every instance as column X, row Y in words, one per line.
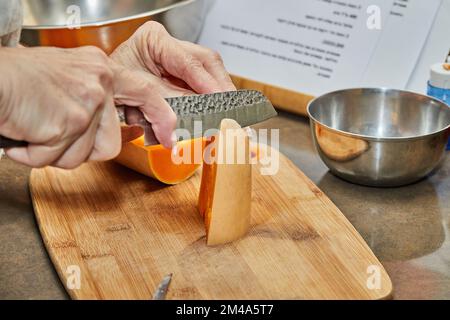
column 174, row 67
column 62, row 102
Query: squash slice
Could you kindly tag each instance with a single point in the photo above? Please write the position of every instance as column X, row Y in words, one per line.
column 157, row 162
column 226, row 187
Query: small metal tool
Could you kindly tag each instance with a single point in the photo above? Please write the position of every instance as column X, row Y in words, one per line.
column 161, row 292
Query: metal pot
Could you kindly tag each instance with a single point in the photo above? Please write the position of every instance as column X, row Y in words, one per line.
column 105, row 23
column 380, row 137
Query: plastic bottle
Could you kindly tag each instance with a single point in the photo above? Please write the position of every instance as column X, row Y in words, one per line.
column 439, row 84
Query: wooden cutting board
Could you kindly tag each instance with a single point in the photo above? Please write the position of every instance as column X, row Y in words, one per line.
column 125, row 232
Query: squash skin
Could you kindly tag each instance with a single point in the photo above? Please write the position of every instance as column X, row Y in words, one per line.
column 207, row 188
column 156, row 161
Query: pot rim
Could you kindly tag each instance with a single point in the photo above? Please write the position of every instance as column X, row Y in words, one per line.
column 111, row 21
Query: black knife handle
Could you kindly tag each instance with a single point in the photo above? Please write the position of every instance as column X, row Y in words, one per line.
column 10, row 143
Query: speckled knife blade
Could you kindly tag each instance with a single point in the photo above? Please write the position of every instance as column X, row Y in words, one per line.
column 200, row 113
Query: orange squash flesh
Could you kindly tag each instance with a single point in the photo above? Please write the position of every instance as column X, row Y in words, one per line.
column 225, row 191
column 157, row 162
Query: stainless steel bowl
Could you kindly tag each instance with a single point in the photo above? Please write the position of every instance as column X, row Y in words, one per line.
column 380, row 137
column 103, row 23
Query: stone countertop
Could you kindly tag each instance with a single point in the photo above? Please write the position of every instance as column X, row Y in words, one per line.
column 407, row 228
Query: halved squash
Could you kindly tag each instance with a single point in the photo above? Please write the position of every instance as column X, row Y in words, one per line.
column 157, row 161
column 226, row 187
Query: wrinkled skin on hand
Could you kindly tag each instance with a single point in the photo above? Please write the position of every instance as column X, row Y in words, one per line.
column 169, row 67
column 61, row 102
column 173, row 67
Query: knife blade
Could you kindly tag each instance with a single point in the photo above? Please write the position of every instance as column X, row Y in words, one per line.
column 197, row 114
column 163, row 288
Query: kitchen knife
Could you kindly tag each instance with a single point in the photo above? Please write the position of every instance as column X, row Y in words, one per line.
column 199, row 113
column 247, row 107
column 163, row 288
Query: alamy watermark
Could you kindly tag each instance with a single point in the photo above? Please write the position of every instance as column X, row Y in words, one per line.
column 73, row 20
column 374, row 19
column 73, row 277
column 374, row 277
column 263, row 148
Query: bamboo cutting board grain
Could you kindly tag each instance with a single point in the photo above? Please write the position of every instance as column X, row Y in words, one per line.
column 125, row 232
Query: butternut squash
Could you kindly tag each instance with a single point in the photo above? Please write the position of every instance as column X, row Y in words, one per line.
column 157, row 162
column 226, row 187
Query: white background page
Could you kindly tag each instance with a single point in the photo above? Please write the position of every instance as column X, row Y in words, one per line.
column 316, row 46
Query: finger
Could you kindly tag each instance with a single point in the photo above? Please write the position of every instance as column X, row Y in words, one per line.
column 162, row 118
column 217, row 70
column 135, row 90
column 39, row 154
column 35, row 156
column 213, row 63
column 173, row 87
column 181, row 86
column 168, row 87
column 191, row 70
column 179, row 62
column 130, row 85
column 80, row 150
column 108, row 141
column 135, row 116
